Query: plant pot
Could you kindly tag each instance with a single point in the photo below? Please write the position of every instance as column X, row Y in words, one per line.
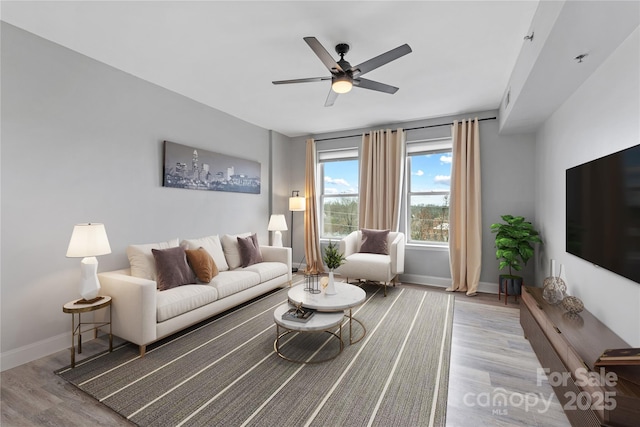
column 510, row 285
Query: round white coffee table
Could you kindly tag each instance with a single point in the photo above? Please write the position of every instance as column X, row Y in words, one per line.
column 319, row 322
column 346, row 297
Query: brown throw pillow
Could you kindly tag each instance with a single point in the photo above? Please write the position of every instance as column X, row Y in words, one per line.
column 375, row 241
column 249, row 250
column 172, row 268
column 202, row 264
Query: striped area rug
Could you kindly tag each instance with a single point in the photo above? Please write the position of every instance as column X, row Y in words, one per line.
column 225, row 372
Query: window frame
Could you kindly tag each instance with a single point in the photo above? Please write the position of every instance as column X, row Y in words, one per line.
column 418, row 148
column 331, row 156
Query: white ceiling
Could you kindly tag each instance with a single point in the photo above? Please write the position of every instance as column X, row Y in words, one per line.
column 225, row 54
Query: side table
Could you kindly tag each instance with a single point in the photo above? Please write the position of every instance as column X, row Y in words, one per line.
column 74, row 307
column 320, row 322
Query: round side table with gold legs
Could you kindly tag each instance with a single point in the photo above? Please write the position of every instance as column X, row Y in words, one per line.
column 77, row 307
column 320, row 322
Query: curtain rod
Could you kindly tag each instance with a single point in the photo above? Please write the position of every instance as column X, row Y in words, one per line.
column 419, row 127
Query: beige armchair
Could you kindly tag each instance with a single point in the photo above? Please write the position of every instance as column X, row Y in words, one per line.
column 372, row 266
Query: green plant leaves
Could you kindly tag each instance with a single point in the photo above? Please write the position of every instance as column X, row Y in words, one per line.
column 513, row 241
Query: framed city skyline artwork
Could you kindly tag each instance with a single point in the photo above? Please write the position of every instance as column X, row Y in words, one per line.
column 198, row 169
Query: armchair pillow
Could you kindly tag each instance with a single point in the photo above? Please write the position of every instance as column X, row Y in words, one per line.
column 172, row 268
column 249, row 250
column 375, row 242
column 202, row 264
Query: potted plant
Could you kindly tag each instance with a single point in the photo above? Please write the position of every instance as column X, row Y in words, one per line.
column 334, row 259
column 514, row 239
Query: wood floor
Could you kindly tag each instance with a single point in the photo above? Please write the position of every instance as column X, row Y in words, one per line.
column 491, row 363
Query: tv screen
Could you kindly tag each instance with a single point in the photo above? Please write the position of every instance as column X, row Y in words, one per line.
column 603, row 212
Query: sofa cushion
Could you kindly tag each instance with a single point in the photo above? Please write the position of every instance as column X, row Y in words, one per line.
column 176, row 301
column 366, row 265
column 141, row 258
column 268, row 270
column 229, row 282
column 375, row 241
column 212, row 245
column 232, row 250
column 172, row 268
column 249, row 250
column 202, row 264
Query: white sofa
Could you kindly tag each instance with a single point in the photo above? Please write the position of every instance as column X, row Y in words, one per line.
column 142, row 314
column 372, row 266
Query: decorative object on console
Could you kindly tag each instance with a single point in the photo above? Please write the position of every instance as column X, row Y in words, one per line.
column 277, row 224
column 296, row 204
column 514, row 240
column 573, row 305
column 334, row 259
column 311, row 283
column 553, row 290
column 619, row 356
column 554, row 287
column 88, row 241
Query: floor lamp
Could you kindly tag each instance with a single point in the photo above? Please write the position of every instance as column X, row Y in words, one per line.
column 296, row 204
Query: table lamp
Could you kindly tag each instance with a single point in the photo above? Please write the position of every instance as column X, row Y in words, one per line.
column 87, row 242
column 277, row 224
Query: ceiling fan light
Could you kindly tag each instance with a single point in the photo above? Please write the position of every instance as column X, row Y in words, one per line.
column 341, row 85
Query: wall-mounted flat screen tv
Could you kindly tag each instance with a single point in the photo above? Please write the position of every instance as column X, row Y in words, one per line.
column 603, row 212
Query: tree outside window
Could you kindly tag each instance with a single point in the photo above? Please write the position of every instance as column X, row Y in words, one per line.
column 428, row 193
column 338, row 175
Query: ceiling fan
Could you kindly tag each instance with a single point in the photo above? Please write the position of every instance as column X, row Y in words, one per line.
column 343, row 75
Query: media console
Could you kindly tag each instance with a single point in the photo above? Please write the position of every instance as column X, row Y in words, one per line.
column 568, row 347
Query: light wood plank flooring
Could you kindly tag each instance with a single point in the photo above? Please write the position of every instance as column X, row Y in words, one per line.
column 490, row 359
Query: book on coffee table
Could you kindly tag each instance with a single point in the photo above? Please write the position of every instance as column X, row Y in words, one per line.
column 298, row 314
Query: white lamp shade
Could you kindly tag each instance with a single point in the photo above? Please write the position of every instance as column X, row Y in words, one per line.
column 296, row 203
column 88, row 240
column 277, row 223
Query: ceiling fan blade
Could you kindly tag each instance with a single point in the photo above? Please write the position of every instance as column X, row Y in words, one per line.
column 308, row 80
column 331, row 98
column 322, row 53
column 380, row 60
column 370, row 84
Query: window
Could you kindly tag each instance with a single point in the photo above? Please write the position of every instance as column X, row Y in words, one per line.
column 338, row 179
column 428, row 190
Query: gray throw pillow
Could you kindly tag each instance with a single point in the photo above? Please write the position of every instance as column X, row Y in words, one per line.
column 249, row 250
column 375, row 241
column 171, row 268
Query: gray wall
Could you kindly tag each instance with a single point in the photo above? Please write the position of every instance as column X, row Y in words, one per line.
column 82, row 142
column 508, row 168
column 600, row 118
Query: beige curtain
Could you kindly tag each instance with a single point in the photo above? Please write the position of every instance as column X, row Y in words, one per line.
column 311, row 236
column 381, row 178
column 465, row 221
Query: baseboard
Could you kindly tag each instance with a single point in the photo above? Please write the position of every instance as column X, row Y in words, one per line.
column 444, row 282
column 28, row 353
